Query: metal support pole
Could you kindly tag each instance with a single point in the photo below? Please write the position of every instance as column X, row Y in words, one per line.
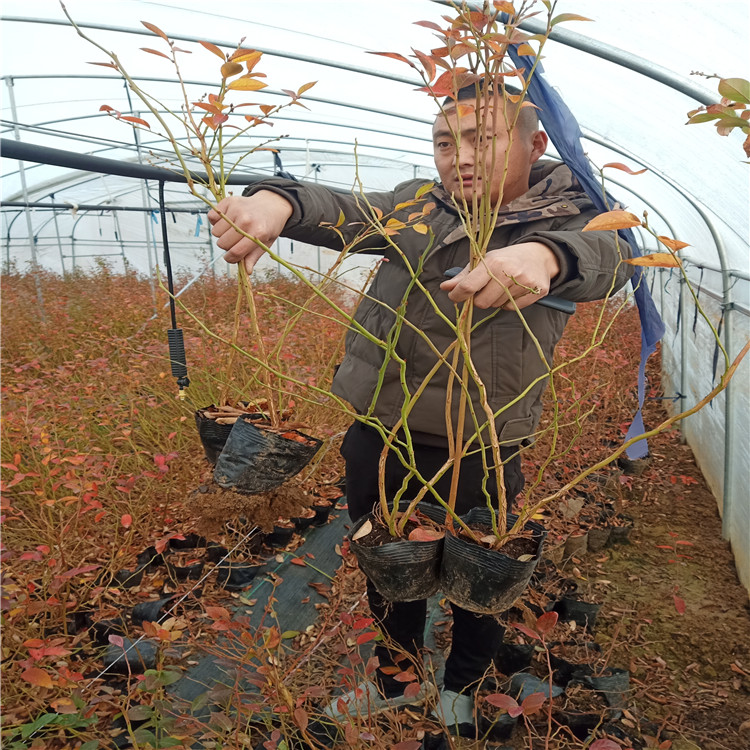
column 146, row 217
column 24, row 189
column 59, row 241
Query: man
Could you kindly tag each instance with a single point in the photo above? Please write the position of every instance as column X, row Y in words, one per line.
column 536, row 247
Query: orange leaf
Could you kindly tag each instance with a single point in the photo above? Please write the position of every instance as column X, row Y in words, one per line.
column 156, row 30
column 135, row 120
column 126, row 520
column 394, row 56
column 155, row 52
column 37, row 676
column 612, row 220
column 245, row 55
column 266, row 108
column 246, row 84
column 231, row 69
column 427, row 63
column 212, row 48
column 365, row 637
column 104, row 65
column 305, row 87
column 526, row 49
column 623, row 167
column 662, row 260
column 217, row 613
column 504, row 7
column 563, row 17
column 298, row 561
column 673, row 245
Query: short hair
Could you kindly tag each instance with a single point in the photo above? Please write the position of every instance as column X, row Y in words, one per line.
column 528, row 120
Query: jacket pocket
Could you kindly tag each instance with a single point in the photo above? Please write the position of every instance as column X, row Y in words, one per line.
column 506, row 359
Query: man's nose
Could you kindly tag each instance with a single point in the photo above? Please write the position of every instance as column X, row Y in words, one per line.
column 465, row 154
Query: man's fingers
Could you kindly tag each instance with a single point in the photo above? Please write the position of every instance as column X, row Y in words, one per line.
column 469, row 284
column 239, row 249
column 252, row 258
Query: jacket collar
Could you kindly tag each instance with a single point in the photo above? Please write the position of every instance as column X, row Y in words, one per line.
column 553, row 188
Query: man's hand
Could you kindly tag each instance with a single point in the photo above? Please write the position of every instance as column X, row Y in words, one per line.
column 262, row 216
column 518, row 268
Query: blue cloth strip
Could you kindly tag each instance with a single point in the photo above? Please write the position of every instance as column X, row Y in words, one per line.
column 564, row 132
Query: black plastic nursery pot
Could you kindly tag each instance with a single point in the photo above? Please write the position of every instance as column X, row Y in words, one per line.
column 281, row 535
column 322, row 510
column 598, row 538
column 483, row 580
column 213, row 434
column 401, row 570
column 582, row 613
column 256, row 459
column 235, row 576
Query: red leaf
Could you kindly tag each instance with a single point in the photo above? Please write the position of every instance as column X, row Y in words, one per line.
column 546, row 622
column 533, row 703
column 126, row 520
column 407, row 745
column 363, row 622
column 298, row 561
column 428, row 25
column 421, row 534
column 116, row 640
column 500, row 700
column 160, row 545
column 365, row 637
column 405, row 677
column 526, row 631
column 37, row 676
column 300, row 718
column 679, row 604
column 98, row 517
column 412, row 690
column 604, row 745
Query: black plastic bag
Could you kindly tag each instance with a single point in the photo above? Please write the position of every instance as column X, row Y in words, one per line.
column 483, row 580
column 258, row 460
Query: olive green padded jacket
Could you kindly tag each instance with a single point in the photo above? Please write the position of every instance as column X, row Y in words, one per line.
column 553, row 212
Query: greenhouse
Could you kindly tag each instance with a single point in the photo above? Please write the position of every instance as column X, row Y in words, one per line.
column 374, row 375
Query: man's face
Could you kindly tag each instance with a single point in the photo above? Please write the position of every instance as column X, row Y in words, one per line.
column 467, row 173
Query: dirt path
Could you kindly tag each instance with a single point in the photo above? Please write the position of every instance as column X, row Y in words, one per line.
column 691, row 671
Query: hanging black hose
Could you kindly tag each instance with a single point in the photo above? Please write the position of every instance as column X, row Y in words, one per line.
column 174, row 334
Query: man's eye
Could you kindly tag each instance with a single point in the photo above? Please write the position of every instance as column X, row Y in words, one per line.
column 444, row 144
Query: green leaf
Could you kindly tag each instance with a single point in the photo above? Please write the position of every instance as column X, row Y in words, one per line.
column 139, row 713
column 28, row 729
column 289, row 634
column 424, row 189
column 736, row 89
column 90, row 745
column 703, row 117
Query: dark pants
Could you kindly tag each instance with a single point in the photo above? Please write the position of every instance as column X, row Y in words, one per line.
column 476, row 638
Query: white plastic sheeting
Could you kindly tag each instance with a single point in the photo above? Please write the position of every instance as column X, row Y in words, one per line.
column 628, row 117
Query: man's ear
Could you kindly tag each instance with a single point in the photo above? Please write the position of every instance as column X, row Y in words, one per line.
column 538, row 145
